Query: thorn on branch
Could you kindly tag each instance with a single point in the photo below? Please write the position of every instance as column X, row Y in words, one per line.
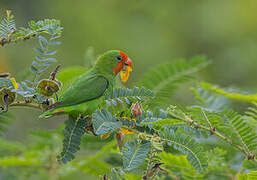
column 89, row 127
column 154, row 171
column 212, row 130
column 191, row 122
column 53, row 74
column 250, row 156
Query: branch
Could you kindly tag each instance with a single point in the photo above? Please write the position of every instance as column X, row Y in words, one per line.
column 26, row 37
column 27, row 104
column 215, row 132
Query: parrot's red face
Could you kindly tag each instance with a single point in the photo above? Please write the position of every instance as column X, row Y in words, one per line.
column 123, row 64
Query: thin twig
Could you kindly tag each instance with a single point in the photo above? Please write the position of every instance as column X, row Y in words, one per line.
column 218, row 134
column 27, row 104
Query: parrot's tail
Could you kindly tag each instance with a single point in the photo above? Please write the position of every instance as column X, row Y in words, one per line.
column 48, row 114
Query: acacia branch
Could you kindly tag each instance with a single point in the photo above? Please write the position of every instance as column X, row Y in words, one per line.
column 27, row 104
column 4, row 41
column 215, row 132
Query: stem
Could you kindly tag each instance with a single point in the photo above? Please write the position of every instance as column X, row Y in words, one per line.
column 218, row 134
column 26, row 104
column 26, row 37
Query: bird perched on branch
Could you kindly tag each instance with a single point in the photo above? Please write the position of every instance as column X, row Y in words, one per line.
column 87, row 92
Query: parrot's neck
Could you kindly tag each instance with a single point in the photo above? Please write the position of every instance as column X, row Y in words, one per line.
column 102, row 71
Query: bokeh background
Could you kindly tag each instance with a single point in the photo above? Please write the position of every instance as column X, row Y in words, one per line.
column 151, row 32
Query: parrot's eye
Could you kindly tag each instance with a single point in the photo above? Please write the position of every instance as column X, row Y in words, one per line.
column 118, row 58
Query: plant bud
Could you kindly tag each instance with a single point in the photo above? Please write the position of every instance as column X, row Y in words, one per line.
column 120, row 139
column 142, row 136
column 136, row 110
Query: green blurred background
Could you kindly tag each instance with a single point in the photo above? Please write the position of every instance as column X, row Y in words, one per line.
column 151, row 32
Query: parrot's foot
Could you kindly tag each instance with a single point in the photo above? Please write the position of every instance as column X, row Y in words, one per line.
column 90, row 128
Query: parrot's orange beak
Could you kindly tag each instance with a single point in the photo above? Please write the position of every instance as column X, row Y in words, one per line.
column 124, row 67
column 126, row 70
column 128, row 63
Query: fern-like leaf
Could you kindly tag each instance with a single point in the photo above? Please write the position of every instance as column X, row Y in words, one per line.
column 248, row 176
column 7, row 26
column 44, row 58
column 134, row 154
column 246, row 135
column 231, row 95
column 188, row 146
column 165, row 78
column 209, row 101
column 178, row 164
column 75, row 128
column 125, row 95
column 252, row 111
column 104, row 122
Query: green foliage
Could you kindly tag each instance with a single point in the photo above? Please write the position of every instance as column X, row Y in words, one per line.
column 104, row 122
column 235, row 96
column 43, row 60
column 9, row 33
column 163, row 122
column 125, row 95
column 208, row 101
column 7, row 25
column 75, row 128
column 252, row 111
column 165, row 79
column 248, row 176
column 178, row 165
column 4, row 122
column 19, row 161
column 188, row 146
column 134, row 154
column 244, row 132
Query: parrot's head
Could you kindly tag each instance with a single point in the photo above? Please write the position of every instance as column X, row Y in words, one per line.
column 114, row 62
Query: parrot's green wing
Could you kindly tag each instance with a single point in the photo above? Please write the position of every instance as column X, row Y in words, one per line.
column 86, row 88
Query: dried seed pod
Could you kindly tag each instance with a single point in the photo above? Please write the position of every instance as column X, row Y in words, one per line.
column 120, row 139
column 48, row 87
column 4, row 75
column 136, row 110
column 7, row 97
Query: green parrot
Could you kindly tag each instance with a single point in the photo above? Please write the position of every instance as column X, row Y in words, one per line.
column 87, row 92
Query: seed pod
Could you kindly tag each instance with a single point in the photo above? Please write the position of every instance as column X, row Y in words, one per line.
column 120, row 139
column 4, row 75
column 142, row 136
column 7, row 97
column 48, row 87
column 136, row 110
